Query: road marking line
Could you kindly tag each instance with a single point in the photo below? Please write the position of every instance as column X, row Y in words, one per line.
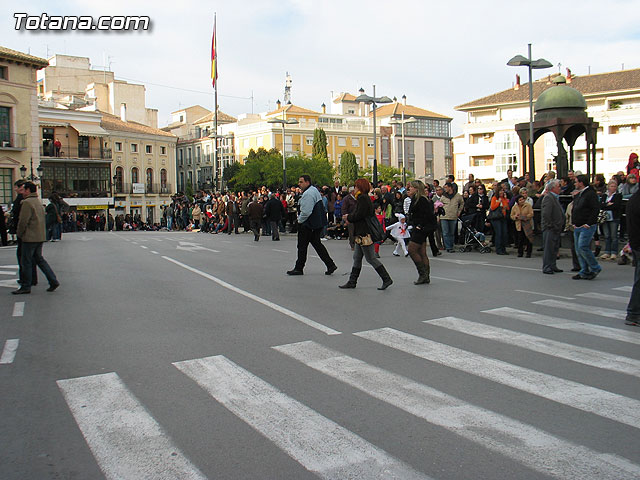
column 605, row 297
column 511, row 266
column 586, row 356
column 448, row 279
column 567, row 392
column 5, row 272
column 524, row 443
column 10, row 266
column 123, row 437
column 626, row 288
column 9, row 351
column 316, row 442
column 564, row 324
column 142, row 246
column 545, row 294
column 154, row 252
column 274, row 306
column 281, row 251
column 577, row 307
column 18, row 309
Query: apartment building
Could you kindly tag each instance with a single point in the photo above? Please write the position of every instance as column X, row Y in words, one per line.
column 489, row 144
column 19, row 136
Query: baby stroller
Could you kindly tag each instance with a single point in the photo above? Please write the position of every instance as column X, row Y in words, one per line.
column 472, row 238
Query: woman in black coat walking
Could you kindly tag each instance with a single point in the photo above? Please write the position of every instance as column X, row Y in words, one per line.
column 364, row 245
column 422, row 221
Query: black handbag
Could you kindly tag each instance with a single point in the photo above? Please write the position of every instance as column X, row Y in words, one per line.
column 495, row 214
column 375, row 229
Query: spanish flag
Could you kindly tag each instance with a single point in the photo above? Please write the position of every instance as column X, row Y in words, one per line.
column 214, row 60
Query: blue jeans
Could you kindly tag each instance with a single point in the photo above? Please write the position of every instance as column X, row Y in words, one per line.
column 169, row 223
column 500, row 234
column 448, row 232
column 582, row 237
column 31, row 256
column 611, row 235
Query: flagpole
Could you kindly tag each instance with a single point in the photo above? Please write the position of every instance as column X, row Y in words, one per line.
column 215, row 111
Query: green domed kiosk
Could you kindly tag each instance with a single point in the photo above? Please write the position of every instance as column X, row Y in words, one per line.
column 562, row 111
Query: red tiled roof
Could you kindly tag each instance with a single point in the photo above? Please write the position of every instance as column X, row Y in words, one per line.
column 599, row 83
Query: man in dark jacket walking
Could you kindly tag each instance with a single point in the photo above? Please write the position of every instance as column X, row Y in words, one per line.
column 254, row 212
column 273, row 211
column 584, row 216
column 311, row 221
column 31, row 230
column 633, row 230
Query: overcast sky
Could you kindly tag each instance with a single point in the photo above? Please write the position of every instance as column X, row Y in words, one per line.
column 440, row 54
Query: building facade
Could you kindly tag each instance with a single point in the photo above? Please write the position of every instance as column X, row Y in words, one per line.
column 489, row 144
column 19, row 135
column 105, row 163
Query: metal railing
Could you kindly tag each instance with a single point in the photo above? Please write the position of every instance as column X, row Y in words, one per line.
column 76, row 152
column 149, row 189
column 13, row 140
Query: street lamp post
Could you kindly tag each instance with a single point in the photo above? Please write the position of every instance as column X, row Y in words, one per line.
column 373, row 101
column 283, row 122
column 32, row 177
column 520, row 61
column 404, row 157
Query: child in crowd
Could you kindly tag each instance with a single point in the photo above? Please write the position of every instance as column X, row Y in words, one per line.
column 380, row 217
column 400, row 231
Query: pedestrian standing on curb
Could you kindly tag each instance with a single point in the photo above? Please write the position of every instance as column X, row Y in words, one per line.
column 633, row 230
column 311, row 222
column 586, row 207
column 552, row 219
column 363, row 243
column 422, row 220
column 31, row 230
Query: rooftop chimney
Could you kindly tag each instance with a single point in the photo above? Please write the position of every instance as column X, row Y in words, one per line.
column 517, row 85
column 568, row 75
column 278, row 104
column 404, row 100
column 123, row 112
column 324, row 108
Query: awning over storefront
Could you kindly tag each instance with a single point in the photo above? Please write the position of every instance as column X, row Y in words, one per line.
column 93, row 203
column 53, row 124
column 89, row 129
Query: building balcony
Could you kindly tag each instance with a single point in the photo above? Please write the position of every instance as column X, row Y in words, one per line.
column 13, row 141
column 76, row 153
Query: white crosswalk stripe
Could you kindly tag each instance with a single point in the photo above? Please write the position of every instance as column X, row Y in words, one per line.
column 564, row 324
column 9, row 351
column 128, row 443
column 530, row 446
column 316, row 442
column 604, row 297
column 587, row 356
column 626, row 288
column 124, row 438
column 577, row 307
column 583, row 397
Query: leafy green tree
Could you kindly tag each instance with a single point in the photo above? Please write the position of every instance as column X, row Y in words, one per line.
column 385, row 173
column 319, row 150
column 229, row 174
column 188, row 191
column 348, row 168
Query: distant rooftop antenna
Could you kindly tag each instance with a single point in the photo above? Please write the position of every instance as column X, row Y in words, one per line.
column 287, row 89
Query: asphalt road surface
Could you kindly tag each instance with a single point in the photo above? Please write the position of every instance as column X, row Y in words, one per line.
column 191, row 356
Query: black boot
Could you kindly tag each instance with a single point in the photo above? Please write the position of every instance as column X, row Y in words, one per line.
column 353, row 278
column 384, row 275
column 423, row 273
